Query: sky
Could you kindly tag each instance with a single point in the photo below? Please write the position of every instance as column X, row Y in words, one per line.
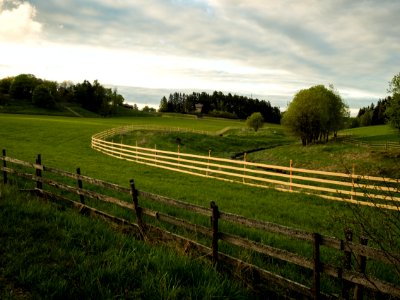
column 267, row 49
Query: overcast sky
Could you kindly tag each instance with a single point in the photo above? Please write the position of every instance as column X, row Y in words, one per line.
column 266, row 48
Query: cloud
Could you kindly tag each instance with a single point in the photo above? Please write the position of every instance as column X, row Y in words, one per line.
column 17, row 22
column 268, row 48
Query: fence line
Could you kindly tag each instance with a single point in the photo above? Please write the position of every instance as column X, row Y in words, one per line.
column 358, row 279
column 351, row 188
column 375, row 145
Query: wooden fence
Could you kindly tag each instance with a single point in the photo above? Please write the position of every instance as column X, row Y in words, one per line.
column 353, row 188
column 82, row 192
column 384, row 146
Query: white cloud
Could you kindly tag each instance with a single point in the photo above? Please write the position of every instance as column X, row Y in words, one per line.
column 17, row 22
column 268, row 48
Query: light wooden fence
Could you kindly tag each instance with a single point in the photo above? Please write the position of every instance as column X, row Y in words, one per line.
column 353, row 188
column 352, row 277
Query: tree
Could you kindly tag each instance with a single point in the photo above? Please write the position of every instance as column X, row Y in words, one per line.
column 314, row 113
column 394, row 85
column 163, row 105
column 255, row 121
column 148, row 109
column 393, row 106
column 393, row 111
column 5, row 85
column 42, row 96
column 23, row 85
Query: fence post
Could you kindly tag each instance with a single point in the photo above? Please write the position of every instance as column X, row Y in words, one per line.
column 361, row 265
column 208, row 161
column 291, row 174
column 347, row 265
column 244, row 166
column 120, row 153
column 155, row 153
column 82, row 198
column 5, row 166
column 353, row 192
column 179, row 155
column 215, row 234
column 317, row 266
column 138, row 210
column 136, row 152
column 39, row 184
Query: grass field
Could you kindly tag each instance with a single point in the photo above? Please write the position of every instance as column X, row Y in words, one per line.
column 379, row 133
column 47, row 253
column 232, row 142
column 65, row 143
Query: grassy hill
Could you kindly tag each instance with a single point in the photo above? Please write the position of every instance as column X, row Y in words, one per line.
column 64, row 142
column 48, row 253
column 66, row 109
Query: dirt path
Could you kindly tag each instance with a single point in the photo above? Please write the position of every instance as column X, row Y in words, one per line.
column 74, row 112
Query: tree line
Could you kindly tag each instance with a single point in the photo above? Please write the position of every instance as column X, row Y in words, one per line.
column 315, row 113
column 220, row 105
column 48, row 94
column 374, row 114
column 387, row 110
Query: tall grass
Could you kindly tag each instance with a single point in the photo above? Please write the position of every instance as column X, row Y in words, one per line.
column 48, row 253
column 65, row 143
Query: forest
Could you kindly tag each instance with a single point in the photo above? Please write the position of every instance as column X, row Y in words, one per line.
column 220, row 105
column 49, row 94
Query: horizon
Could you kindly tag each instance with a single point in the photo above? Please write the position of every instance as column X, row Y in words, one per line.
column 262, row 48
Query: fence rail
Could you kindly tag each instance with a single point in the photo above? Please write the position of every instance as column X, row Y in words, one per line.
column 86, row 188
column 384, row 145
column 348, row 187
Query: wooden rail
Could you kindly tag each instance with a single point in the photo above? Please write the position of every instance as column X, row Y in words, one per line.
column 58, row 190
column 375, row 145
column 352, row 188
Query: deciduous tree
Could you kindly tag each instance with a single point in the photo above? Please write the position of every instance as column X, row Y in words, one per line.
column 42, row 96
column 255, row 121
column 23, row 85
column 393, row 107
column 315, row 113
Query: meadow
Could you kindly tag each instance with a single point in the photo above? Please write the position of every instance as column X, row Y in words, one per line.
column 55, row 254
column 64, row 142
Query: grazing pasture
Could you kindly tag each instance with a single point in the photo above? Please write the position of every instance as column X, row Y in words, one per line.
column 65, row 143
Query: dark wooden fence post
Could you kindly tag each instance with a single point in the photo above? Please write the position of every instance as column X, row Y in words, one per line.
column 39, row 184
column 347, row 265
column 215, row 236
column 80, row 185
column 361, row 265
column 5, row 166
column 317, row 266
column 138, row 210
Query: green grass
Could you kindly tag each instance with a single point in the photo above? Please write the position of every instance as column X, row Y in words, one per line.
column 48, row 253
column 334, row 157
column 65, row 143
column 227, row 144
column 378, row 133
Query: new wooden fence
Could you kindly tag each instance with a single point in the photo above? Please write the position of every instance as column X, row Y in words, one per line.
column 353, row 188
column 83, row 193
